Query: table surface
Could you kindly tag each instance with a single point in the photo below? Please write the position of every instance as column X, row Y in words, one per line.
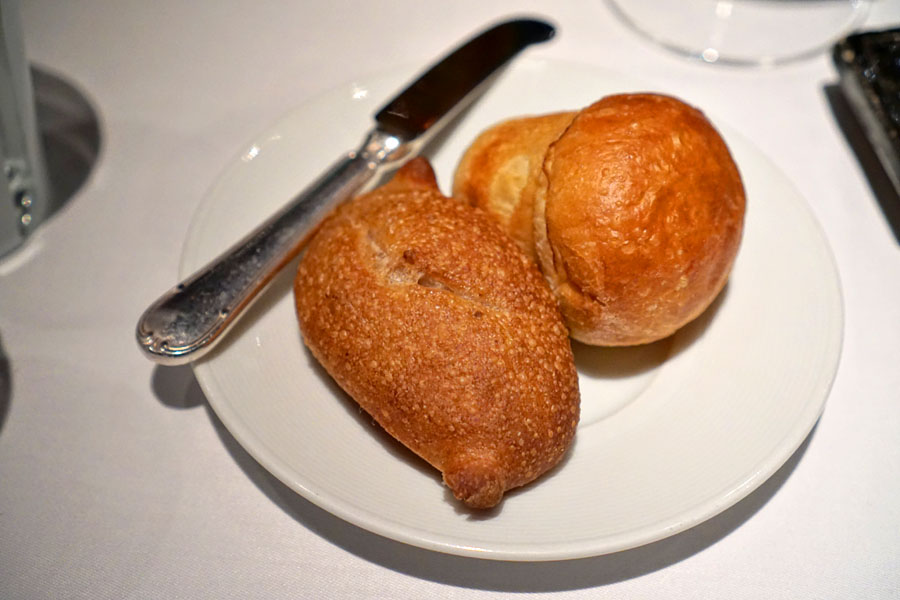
column 117, row 480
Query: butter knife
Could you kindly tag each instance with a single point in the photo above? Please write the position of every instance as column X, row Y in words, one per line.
column 189, row 319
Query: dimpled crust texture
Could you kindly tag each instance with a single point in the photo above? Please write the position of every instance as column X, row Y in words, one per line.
column 432, row 319
column 499, row 171
column 638, row 217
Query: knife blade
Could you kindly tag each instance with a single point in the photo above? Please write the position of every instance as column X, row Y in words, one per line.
column 188, row 320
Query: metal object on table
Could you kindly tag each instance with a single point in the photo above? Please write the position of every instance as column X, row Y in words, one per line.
column 23, row 188
column 869, row 68
column 184, row 323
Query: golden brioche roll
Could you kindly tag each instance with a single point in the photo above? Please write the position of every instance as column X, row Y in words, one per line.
column 638, row 213
column 432, row 319
column 499, row 171
column 638, row 217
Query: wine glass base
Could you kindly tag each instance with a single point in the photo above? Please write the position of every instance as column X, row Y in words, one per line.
column 743, row 32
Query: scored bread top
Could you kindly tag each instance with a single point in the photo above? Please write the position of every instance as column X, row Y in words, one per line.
column 431, row 318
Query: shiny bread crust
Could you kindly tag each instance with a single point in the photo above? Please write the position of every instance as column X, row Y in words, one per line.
column 637, row 211
column 638, row 216
column 432, row 319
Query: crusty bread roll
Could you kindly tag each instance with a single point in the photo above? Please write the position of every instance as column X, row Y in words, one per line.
column 432, row 319
column 637, row 213
column 499, row 172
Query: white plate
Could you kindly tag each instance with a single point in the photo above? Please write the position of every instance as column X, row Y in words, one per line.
column 671, row 434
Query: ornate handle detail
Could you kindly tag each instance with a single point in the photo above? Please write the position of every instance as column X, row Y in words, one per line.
column 185, row 323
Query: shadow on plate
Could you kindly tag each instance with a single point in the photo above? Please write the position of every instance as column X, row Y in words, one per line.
column 176, row 387
column 627, row 361
column 879, row 181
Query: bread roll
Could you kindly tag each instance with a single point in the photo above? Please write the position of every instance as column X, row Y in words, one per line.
column 500, row 170
column 637, row 214
column 432, row 319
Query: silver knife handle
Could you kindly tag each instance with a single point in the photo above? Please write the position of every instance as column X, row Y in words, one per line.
column 189, row 319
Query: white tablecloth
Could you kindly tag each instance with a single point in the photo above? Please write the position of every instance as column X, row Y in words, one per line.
column 118, row 481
